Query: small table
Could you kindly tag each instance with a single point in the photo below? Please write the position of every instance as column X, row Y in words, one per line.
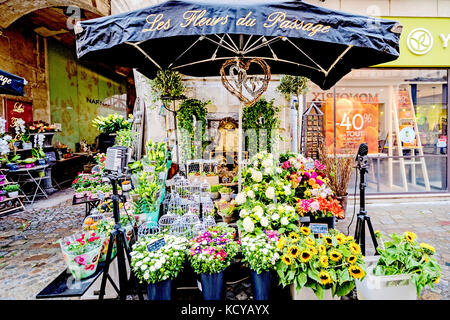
column 90, row 203
column 24, row 176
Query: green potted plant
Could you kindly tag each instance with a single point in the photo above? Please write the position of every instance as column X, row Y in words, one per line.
column 26, row 144
column 12, row 190
column 109, row 126
column 158, row 260
column 225, row 209
column 322, row 268
column 401, row 271
column 209, row 255
column 225, row 193
column 39, row 155
column 12, row 163
column 167, row 84
column 215, row 191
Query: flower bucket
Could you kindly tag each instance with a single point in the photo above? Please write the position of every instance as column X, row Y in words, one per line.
column 306, row 293
column 261, row 283
column 225, row 196
column 396, row 287
column 160, row 290
column 126, row 187
column 213, row 286
column 13, row 194
column 82, row 265
column 13, row 166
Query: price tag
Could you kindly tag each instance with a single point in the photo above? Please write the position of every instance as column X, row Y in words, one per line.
column 309, row 165
column 305, row 219
column 156, row 245
column 318, row 228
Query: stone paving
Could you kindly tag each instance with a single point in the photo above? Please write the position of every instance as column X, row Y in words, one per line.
column 30, row 256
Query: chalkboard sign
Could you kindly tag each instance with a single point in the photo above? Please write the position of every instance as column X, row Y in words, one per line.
column 305, row 219
column 158, row 244
column 318, row 228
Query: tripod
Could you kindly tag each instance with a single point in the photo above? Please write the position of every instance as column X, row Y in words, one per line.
column 363, row 218
column 118, row 235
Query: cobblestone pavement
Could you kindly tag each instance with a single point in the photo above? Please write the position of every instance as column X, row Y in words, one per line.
column 30, row 256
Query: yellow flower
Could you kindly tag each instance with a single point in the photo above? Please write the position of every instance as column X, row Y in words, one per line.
column 294, row 237
column 410, row 236
column 294, row 251
column 322, row 249
column 324, row 261
column 309, row 241
column 349, row 238
column 426, row 258
column 335, row 255
column 312, row 250
column 340, row 238
column 356, row 271
column 286, row 259
column 437, row 280
column 324, row 277
column 305, row 255
column 328, row 240
column 280, row 243
column 355, row 248
column 352, row 259
column 305, row 230
column 427, row 247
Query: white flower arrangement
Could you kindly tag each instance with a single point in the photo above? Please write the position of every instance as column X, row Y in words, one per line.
column 39, row 141
column 162, row 264
column 2, row 125
column 19, row 126
column 260, row 251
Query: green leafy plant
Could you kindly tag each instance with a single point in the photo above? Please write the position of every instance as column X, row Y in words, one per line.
column 168, row 83
column 37, row 153
column 225, row 190
column 112, row 123
column 292, row 85
column 225, row 208
column 11, row 188
column 402, row 254
column 216, row 188
column 125, row 138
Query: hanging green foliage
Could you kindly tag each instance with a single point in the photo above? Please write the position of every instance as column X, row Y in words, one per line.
column 259, row 122
column 189, row 109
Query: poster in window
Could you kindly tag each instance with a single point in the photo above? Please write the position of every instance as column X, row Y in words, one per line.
column 17, row 110
column 356, row 123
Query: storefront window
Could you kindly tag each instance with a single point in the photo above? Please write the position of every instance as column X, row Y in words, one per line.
column 402, row 115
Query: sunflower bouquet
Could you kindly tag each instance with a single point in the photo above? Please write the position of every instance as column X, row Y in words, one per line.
column 402, row 254
column 260, row 251
column 212, row 251
column 332, row 261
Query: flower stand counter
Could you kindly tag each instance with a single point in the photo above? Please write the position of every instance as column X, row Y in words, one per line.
column 210, row 254
column 158, row 260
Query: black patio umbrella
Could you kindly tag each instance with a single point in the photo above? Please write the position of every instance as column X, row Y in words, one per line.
column 197, row 37
column 11, row 84
column 202, row 38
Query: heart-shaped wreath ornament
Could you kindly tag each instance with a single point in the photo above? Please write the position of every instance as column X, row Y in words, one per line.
column 237, row 80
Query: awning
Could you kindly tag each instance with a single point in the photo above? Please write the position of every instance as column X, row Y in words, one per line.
column 11, row 84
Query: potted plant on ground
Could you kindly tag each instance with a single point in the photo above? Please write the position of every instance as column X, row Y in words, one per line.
column 225, row 193
column 401, row 271
column 12, row 190
column 260, row 253
column 81, row 253
column 209, row 255
column 157, row 260
column 323, row 268
column 126, row 185
column 225, row 209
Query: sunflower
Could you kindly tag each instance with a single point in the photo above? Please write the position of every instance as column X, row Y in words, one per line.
column 286, row 259
column 356, row 271
column 340, row 238
column 335, row 255
column 324, row 277
column 410, row 236
column 305, row 255
column 294, row 237
column 322, row 249
column 280, row 243
column 428, row 248
column 328, row 240
column 349, row 238
column 312, row 250
column 352, row 259
column 355, row 248
column 305, row 230
column 324, row 261
column 294, row 251
column 309, row 241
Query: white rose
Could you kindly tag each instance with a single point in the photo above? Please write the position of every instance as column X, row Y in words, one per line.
column 275, row 217
column 248, row 224
column 241, row 198
column 243, row 213
column 251, row 194
column 270, row 193
column 284, row 221
column 264, row 221
column 257, row 176
column 267, row 163
column 258, row 211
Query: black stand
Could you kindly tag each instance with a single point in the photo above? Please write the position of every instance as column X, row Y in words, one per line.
column 118, row 235
column 363, row 218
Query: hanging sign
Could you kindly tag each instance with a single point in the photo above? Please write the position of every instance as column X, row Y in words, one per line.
column 158, row 244
column 318, row 228
column 442, row 142
column 17, row 110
